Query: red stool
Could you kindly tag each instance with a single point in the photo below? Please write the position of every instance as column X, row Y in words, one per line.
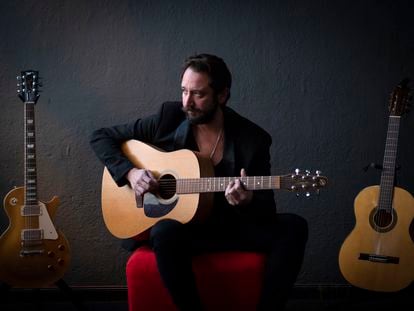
column 226, row 281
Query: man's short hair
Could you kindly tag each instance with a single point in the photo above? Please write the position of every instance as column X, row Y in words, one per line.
column 214, row 67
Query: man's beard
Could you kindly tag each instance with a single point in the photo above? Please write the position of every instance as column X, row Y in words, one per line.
column 203, row 117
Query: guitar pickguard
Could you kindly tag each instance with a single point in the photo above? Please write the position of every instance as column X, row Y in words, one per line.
column 155, row 207
column 46, row 224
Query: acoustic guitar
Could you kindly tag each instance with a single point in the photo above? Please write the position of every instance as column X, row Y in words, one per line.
column 378, row 254
column 33, row 253
column 186, row 188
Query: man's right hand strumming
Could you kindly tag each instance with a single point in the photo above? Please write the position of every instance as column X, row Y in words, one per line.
column 142, row 181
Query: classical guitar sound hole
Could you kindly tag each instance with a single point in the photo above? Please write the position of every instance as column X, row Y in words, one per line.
column 167, row 186
column 411, row 230
column 383, row 220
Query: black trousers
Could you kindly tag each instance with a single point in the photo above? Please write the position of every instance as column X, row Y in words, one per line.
column 283, row 241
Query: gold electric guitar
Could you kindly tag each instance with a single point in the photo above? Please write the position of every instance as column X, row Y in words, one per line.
column 378, row 254
column 186, row 186
column 33, row 253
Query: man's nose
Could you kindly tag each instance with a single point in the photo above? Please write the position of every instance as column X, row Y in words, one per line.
column 187, row 100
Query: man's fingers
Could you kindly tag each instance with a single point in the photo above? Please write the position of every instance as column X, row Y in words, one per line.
column 235, row 191
column 139, row 190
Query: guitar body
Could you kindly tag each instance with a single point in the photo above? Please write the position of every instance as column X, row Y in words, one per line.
column 379, row 252
column 47, row 261
column 126, row 217
column 185, row 192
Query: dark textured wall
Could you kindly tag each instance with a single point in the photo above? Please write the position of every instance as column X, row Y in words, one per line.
column 315, row 74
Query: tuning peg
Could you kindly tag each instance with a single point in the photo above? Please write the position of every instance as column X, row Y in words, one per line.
column 307, row 194
column 318, row 173
column 296, row 174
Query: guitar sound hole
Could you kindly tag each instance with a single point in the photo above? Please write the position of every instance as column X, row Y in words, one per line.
column 167, row 186
column 411, row 230
column 383, row 220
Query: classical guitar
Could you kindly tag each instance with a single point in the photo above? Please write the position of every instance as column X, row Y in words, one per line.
column 33, row 253
column 378, row 254
column 186, row 188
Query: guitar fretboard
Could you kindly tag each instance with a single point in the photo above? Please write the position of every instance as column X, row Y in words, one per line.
column 388, row 170
column 30, row 177
column 219, row 184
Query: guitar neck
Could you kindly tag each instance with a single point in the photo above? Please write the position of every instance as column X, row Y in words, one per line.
column 390, row 155
column 219, row 184
column 30, row 174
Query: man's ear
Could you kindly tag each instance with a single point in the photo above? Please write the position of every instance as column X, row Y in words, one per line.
column 223, row 96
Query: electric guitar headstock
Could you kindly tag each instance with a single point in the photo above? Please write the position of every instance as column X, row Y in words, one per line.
column 399, row 99
column 28, row 86
column 305, row 183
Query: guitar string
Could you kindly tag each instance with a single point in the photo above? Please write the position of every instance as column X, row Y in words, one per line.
column 393, row 128
column 30, row 187
column 218, row 182
column 27, row 220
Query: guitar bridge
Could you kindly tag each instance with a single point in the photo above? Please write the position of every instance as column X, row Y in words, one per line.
column 31, row 252
column 379, row 258
column 31, row 243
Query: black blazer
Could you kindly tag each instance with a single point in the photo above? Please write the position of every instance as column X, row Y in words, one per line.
column 246, row 145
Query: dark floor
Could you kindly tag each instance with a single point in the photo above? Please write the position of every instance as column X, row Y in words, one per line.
column 115, row 299
column 294, row 305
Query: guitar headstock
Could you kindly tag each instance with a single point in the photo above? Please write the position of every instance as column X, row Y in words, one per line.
column 303, row 182
column 399, row 99
column 28, row 86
